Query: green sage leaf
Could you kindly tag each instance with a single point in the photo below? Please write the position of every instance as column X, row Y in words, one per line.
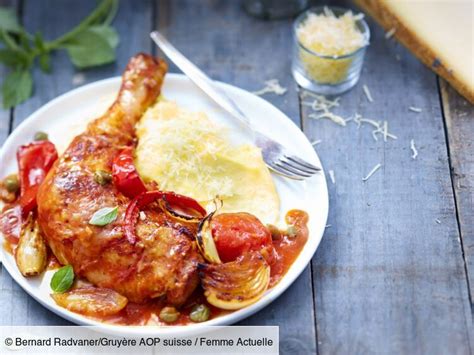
column 45, row 62
column 90, row 48
column 9, row 20
column 24, row 41
column 104, row 216
column 108, row 33
column 14, row 58
column 17, row 87
column 62, row 279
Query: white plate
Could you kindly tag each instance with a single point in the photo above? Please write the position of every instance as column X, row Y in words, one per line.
column 67, row 115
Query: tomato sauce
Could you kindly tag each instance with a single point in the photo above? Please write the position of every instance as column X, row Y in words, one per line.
column 147, row 313
column 288, row 247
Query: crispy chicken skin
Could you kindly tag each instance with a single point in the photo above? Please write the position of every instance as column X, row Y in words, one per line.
column 164, row 260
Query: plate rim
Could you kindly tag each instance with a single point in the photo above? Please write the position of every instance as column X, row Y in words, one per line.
column 235, row 316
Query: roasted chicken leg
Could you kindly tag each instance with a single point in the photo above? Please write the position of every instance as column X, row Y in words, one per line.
column 163, row 263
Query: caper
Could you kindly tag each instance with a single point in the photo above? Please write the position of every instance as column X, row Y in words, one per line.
column 169, row 315
column 11, row 183
column 102, row 177
column 200, row 313
column 40, row 136
column 292, row 231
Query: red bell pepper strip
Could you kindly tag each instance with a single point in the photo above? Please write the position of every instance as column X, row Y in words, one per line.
column 34, row 162
column 133, row 209
column 125, row 175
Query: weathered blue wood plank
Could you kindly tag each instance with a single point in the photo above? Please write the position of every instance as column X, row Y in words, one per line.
column 233, row 47
column 53, row 18
column 459, row 116
column 5, row 114
column 389, row 275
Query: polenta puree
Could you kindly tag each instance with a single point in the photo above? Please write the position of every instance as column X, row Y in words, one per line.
column 186, row 152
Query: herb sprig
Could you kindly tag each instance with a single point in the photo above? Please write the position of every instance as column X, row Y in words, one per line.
column 91, row 43
column 62, row 279
column 104, row 216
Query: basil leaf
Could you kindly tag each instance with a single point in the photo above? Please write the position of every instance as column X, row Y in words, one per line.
column 62, row 279
column 90, row 48
column 108, row 33
column 14, row 58
column 111, row 13
column 104, row 216
column 24, row 41
column 39, row 42
column 8, row 39
column 17, row 87
column 45, row 62
column 8, row 20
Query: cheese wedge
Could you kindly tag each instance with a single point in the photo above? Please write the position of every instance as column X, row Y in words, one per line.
column 439, row 33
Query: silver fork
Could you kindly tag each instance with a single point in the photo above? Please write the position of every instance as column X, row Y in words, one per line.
column 276, row 156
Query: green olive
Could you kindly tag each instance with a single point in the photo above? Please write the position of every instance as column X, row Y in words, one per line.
column 200, row 313
column 40, row 136
column 169, row 315
column 11, row 183
column 102, row 177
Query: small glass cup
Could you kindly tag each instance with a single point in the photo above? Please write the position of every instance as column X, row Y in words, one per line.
column 323, row 74
column 275, row 9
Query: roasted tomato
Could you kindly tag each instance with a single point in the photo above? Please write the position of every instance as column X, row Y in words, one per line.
column 237, row 233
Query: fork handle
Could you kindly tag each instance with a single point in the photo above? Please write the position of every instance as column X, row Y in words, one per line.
column 199, row 78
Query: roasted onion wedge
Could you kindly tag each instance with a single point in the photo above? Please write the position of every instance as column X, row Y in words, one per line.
column 91, row 301
column 236, row 284
column 31, row 253
column 205, row 241
column 177, row 214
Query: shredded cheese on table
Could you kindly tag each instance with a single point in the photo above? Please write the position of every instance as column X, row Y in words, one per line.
column 413, row 149
column 331, row 176
column 381, row 127
column 415, row 109
column 333, row 117
column 322, row 105
column 271, row 86
column 367, row 93
column 372, row 172
column 329, row 37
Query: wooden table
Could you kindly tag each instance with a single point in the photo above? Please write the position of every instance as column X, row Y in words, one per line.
column 394, row 271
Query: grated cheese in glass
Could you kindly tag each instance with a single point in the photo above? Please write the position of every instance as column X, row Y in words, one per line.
column 330, row 37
